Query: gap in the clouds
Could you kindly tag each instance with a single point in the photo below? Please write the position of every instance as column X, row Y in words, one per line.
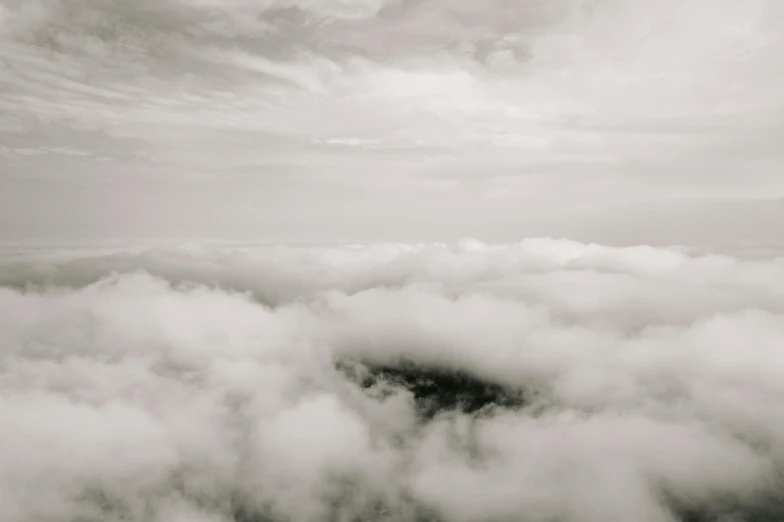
column 435, row 389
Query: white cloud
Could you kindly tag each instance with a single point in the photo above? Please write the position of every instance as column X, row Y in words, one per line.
column 134, row 386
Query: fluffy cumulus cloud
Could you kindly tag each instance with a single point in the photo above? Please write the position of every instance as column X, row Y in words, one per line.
column 543, row 380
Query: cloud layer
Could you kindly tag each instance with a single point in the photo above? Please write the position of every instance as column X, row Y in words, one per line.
column 210, row 384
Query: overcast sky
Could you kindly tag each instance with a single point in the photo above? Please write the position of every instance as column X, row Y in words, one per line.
column 617, row 121
column 160, row 361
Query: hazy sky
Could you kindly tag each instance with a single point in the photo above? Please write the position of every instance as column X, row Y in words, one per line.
column 618, row 121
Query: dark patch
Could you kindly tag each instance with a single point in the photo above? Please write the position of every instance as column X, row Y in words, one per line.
column 760, row 513
column 343, row 500
column 97, row 503
column 435, row 389
column 244, row 513
column 762, row 506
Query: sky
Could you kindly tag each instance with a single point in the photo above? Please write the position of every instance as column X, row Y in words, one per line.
column 622, row 122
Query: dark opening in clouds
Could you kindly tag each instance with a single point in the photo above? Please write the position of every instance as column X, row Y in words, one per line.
column 435, row 390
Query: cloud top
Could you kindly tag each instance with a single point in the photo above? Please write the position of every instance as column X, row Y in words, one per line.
column 207, row 384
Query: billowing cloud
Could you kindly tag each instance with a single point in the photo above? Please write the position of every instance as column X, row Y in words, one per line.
column 543, row 380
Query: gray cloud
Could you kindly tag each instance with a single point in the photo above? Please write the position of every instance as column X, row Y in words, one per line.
column 562, row 62
column 380, row 106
